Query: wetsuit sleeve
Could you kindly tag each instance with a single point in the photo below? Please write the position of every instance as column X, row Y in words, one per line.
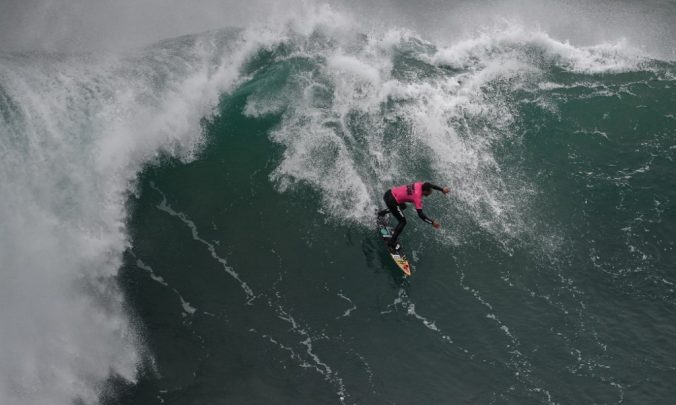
column 435, row 187
column 424, row 217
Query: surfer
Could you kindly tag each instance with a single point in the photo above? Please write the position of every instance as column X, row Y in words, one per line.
column 396, row 199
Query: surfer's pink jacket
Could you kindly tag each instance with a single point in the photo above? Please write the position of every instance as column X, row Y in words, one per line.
column 411, row 193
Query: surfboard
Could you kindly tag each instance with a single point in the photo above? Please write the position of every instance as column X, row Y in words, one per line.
column 385, row 232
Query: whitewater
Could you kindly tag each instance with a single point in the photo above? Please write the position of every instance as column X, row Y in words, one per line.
column 229, row 178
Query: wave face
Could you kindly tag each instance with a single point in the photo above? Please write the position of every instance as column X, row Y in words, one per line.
column 76, row 131
column 193, row 219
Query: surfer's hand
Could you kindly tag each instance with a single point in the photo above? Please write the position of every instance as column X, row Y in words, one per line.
column 446, row 190
column 436, row 224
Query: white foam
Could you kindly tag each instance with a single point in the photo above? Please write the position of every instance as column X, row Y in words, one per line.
column 76, row 131
column 349, row 310
column 343, row 145
column 513, row 41
column 342, row 64
column 188, row 309
column 153, row 276
column 338, row 122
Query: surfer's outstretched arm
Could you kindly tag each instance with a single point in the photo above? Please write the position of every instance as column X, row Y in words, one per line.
column 424, row 217
column 444, row 190
column 427, row 219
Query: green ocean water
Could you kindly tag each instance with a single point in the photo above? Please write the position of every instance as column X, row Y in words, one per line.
column 575, row 307
column 230, row 194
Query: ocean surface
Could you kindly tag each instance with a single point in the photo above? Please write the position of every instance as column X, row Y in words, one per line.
column 192, row 222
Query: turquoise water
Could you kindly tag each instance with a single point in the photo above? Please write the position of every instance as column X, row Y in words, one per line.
column 211, row 197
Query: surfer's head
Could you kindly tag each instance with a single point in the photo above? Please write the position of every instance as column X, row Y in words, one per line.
column 427, row 188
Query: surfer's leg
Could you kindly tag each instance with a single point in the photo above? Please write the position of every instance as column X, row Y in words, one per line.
column 397, row 231
column 390, row 202
column 400, row 226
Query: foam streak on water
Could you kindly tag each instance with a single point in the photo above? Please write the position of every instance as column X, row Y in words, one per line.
column 188, row 309
column 349, row 310
column 164, row 206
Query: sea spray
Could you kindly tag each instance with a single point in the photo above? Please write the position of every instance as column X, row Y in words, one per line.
column 75, row 131
column 358, row 112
